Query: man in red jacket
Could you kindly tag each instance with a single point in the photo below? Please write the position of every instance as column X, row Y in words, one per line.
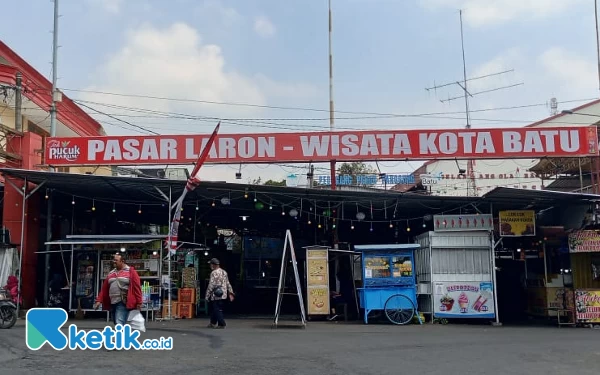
column 121, row 291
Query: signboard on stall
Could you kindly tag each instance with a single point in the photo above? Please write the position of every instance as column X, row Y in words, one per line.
column 464, row 300
column 453, row 223
column 517, row 223
column 317, row 279
column 587, row 306
column 584, row 241
column 315, row 147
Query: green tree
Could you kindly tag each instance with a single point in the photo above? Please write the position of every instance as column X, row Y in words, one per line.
column 355, row 169
column 275, row 183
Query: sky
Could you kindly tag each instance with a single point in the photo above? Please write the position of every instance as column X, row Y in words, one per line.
column 273, row 53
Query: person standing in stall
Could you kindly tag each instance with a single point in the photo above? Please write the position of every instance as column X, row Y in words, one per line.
column 218, row 290
column 121, row 291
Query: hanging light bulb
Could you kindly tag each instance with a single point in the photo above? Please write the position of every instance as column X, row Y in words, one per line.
column 114, row 208
column 213, row 204
column 309, row 222
column 424, row 225
column 320, row 226
column 93, row 205
column 255, row 197
column 407, row 226
column 73, row 200
column 391, row 225
column 351, row 225
column 197, row 208
column 46, row 194
column 140, row 209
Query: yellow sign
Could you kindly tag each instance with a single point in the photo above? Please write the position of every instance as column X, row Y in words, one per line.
column 587, row 304
column 517, row 223
column 317, row 276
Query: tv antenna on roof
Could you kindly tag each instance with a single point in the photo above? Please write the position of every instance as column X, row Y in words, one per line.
column 463, row 84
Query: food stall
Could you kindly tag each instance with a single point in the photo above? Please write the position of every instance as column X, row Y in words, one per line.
column 454, row 268
column 388, row 282
column 91, row 261
column 584, row 248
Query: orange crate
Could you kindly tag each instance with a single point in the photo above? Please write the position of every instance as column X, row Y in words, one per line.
column 186, row 310
column 186, row 295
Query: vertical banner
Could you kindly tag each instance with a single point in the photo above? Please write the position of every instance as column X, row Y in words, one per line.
column 517, row 223
column 317, row 276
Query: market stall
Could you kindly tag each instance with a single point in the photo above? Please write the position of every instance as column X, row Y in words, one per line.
column 454, row 268
column 584, row 247
column 388, row 282
column 90, row 259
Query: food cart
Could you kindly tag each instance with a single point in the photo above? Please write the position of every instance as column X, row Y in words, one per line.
column 388, row 282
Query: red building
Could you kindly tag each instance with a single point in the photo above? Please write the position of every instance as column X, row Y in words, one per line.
column 23, row 148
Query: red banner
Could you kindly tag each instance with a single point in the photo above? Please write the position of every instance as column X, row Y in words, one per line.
column 522, row 143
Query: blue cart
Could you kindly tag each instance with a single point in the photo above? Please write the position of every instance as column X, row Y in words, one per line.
column 389, row 282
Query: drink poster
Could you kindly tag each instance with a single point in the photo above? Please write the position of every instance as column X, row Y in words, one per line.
column 587, row 304
column 464, row 300
column 317, row 276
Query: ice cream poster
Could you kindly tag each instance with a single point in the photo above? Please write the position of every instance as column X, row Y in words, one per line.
column 464, row 300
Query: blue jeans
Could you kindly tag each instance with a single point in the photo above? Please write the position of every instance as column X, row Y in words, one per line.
column 120, row 313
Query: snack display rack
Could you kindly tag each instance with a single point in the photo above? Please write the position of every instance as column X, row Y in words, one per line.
column 389, row 282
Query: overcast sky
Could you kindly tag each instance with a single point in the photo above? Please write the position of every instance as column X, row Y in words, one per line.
column 274, row 53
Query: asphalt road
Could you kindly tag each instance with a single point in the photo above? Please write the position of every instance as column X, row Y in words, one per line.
column 252, row 347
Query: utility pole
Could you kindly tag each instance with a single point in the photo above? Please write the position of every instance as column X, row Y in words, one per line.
column 54, row 68
column 471, row 186
column 52, row 134
column 597, row 39
column 331, row 111
column 18, row 102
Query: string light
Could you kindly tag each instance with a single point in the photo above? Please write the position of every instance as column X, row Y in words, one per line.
column 391, row 225
column 114, row 208
column 73, row 200
column 197, row 208
column 213, row 204
column 140, row 209
column 407, row 226
column 46, row 194
column 351, row 224
column 93, row 205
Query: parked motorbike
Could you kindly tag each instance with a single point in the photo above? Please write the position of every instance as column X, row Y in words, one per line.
column 8, row 310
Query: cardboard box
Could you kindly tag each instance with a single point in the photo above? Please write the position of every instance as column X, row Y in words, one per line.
column 186, row 310
column 174, row 309
column 186, row 295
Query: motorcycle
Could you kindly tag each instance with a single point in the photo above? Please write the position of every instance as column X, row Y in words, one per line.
column 8, row 310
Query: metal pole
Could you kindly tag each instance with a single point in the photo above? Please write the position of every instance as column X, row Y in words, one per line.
column 23, row 202
column 331, row 111
column 493, row 271
column 545, row 264
column 47, row 255
column 18, row 102
column 169, row 256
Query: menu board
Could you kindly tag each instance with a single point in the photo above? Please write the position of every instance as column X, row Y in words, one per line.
column 464, row 300
column 317, row 276
column 402, row 266
column 587, row 304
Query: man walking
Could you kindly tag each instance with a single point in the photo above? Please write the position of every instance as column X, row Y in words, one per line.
column 121, row 291
column 217, row 292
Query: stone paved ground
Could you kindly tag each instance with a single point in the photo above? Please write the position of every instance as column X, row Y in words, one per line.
column 251, row 347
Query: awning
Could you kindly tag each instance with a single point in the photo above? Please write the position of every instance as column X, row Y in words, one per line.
column 96, row 242
column 410, row 246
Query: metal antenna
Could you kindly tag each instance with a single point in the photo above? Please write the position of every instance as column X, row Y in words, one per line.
column 463, row 84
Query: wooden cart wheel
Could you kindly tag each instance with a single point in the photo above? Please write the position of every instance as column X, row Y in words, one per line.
column 399, row 309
